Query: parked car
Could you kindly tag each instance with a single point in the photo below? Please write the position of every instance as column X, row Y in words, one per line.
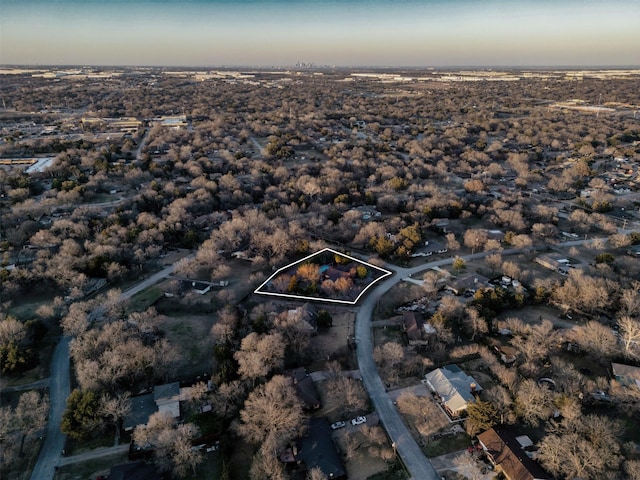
column 337, row 425
column 358, row 420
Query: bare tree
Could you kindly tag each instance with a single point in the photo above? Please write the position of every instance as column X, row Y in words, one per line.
column 171, row 443
column 316, row 473
column 467, row 465
column 583, row 292
column 534, row 343
column 185, row 458
column 266, row 465
column 259, row 355
column 493, row 261
column 272, row 413
column 452, row 243
column 116, row 408
column 630, row 336
column 595, row 338
column 474, row 323
column 228, row 398
column 630, row 300
column 587, row 447
column 475, row 238
column 533, row 402
column 30, row 414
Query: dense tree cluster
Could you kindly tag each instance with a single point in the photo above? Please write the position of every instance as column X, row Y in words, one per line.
column 268, row 170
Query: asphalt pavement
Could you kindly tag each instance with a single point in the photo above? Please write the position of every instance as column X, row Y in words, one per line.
column 59, row 390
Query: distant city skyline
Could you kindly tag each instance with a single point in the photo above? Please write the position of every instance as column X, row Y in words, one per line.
column 420, row 33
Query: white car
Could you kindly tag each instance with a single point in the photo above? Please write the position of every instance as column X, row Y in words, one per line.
column 337, row 425
column 358, row 420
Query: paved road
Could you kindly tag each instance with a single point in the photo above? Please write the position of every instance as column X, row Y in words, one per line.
column 143, row 141
column 147, row 282
column 414, row 459
column 407, row 448
column 59, row 389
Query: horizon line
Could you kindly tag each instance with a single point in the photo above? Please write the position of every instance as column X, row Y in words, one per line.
column 312, row 66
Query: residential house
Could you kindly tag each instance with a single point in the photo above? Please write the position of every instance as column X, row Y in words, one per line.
column 511, row 454
column 417, row 330
column 142, row 407
column 334, row 273
column 555, row 262
column 167, row 398
column 305, row 388
column 454, row 388
column 496, row 235
column 164, row 398
column 201, row 287
column 316, row 449
column 468, row 282
column 626, row 375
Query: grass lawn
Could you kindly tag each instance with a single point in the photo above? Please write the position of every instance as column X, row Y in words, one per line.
column 146, row 298
column 190, row 334
column 447, row 445
column 25, row 307
column 387, row 334
column 99, row 440
column 362, row 464
column 395, row 472
column 90, row 469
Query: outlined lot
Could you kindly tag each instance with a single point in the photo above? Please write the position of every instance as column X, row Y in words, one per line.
column 381, row 273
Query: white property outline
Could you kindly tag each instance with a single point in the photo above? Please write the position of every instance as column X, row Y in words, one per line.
column 385, row 274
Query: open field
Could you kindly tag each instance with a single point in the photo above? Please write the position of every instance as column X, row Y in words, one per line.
column 190, row 335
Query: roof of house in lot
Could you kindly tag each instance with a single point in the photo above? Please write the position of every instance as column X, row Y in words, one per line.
column 142, row 407
column 316, row 449
column 453, row 385
column 413, row 325
column 627, row 375
column 507, row 453
column 305, row 388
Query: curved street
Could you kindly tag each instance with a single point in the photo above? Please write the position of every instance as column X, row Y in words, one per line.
column 405, row 445
column 416, row 463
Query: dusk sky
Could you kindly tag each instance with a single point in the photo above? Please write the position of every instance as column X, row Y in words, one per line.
column 324, row 32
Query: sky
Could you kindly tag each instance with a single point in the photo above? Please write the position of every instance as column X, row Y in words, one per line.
column 384, row 33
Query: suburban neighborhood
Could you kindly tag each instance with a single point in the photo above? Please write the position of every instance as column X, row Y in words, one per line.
column 319, row 273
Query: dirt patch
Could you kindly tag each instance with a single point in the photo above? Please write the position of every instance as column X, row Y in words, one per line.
column 535, row 314
column 388, row 334
column 333, row 343
column 360, row 465
column 479, row 371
